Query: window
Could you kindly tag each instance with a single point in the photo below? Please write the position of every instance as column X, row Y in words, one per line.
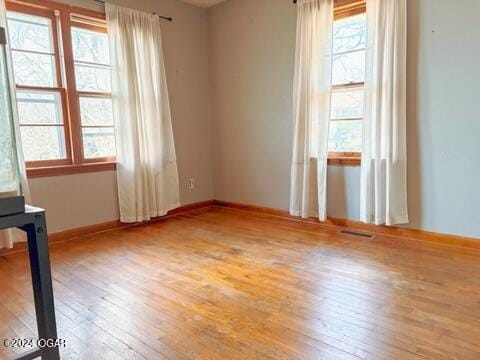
column 348, row 75
column 63, row 88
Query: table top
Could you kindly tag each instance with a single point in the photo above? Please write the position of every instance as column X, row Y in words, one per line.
column 30, row 215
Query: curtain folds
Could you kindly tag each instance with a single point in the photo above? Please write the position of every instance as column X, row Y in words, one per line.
column 384, row 160
column 311, row 105
column 146, row 163
column 10, row 236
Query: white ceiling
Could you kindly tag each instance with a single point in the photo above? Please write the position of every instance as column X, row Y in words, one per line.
column 203, row 3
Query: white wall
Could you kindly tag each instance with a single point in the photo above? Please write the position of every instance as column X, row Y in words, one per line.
column 74, row 201
column 84, row 199
column 251, row 49
column 251, row 45
column 443, row 118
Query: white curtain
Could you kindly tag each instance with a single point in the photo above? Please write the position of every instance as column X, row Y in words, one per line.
column 311, row 105
column 384, row 160
column 146, row 162
column 10, row 236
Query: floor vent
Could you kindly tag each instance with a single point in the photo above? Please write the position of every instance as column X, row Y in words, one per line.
column 357, row 233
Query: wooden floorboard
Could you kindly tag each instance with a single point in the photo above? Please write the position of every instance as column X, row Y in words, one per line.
column 220, row 283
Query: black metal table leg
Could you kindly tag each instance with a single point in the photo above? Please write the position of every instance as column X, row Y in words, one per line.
column 42, row 284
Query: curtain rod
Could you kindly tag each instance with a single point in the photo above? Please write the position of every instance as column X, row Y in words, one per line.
column 169, row 18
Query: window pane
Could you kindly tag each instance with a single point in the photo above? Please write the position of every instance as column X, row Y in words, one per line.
column 345, row 136
column 347, row 104
column 43, row 142
column 349, row 33
column 96, row 111
column 98, row 142
column 34, row 69
column 39, row 108
column 92, row 78
column 28, row 32
column 349, row 68
column 90, row 46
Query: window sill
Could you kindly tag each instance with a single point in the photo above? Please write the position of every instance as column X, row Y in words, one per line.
column 70, row 169
column 344, row 159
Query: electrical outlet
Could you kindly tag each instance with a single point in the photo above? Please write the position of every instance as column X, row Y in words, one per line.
column 191, row 183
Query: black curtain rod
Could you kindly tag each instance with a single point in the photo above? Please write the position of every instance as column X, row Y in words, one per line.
column 169, row 18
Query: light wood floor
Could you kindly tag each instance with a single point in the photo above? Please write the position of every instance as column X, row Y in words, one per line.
column 227, row 284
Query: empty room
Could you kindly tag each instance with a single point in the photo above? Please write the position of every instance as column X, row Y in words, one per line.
column 239, row 179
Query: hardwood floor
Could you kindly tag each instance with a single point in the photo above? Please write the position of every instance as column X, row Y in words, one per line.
column 227, row 284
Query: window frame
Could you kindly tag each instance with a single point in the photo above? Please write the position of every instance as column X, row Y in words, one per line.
column 63, row 18
column 344, row 9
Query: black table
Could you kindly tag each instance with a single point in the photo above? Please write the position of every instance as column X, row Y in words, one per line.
column 32, row 221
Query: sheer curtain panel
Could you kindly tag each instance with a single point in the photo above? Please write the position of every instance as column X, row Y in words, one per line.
column 13, row 177
column 384, row 160
column 311, row 106
column 146, row 162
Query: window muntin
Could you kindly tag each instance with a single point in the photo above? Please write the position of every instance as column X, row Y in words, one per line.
column 348, row 76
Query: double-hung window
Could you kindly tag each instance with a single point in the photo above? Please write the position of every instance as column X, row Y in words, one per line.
column 61, row 70
column 348, row 75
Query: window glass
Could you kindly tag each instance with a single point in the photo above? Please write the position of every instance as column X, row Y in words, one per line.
column 32, row 69
column 348, row 68
column 43, row 142
column 92, row 78
column 345, row 136
column 39, row 108
column 28, row 32
column 98, row 142
column 347, row 103
column 349, row 34
column 90, row 46
column 96, row 111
